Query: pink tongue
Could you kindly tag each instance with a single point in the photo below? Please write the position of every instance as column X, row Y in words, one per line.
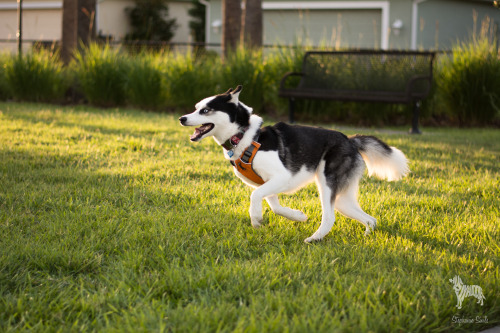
column 196, row 134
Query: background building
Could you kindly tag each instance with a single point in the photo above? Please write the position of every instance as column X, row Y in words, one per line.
column 390, row 24
column 42, row 20
column 385, row 24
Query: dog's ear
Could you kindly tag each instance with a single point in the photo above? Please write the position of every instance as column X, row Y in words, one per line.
column 238, row 89
column 229, row 91
column 235, row 95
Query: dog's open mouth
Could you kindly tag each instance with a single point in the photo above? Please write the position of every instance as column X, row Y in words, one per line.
column 200, row 131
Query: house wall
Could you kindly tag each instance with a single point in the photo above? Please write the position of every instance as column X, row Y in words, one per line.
column 400, row 10
column 441, row 23
column 179, row 11
column 214, row 22
column 333, row 28
column 42, row 20
column 112, row 19
column 426, row 24
column 336, row 23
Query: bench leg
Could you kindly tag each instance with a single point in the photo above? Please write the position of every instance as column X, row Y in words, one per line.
column 291, row 108
column 414, row 124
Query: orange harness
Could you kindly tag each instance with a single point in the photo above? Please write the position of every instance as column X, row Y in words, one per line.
column 244, row 163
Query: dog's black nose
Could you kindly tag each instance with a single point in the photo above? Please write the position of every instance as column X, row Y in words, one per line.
column 183, row 120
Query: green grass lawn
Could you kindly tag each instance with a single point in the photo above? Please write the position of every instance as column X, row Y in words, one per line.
column 112, row 220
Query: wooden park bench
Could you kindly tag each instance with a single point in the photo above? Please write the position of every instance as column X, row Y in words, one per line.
column 400, row 77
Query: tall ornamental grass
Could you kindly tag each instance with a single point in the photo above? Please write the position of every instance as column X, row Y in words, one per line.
column 146, row 82
column 36, row 77
column 102, row 73
column 466, row 85
column 276, row 64
column 4, row 86
column 468, row 81
column 246, row 67
column 190, row 79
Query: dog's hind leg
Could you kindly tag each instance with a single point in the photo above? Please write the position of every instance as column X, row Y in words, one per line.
column 291, row 214
column 327, row 194
column 347, row 204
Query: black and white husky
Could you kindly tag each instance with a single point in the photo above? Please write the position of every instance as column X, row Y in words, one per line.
column 292, row 156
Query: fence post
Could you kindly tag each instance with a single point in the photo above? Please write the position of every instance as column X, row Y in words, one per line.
column 20, row 28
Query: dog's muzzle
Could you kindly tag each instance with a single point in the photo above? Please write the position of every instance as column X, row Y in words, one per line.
column 183, row 120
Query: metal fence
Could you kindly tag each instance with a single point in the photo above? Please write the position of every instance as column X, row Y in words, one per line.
column 132, row 46
column 28, row 45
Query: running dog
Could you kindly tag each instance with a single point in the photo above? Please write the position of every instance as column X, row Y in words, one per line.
column 284, row 158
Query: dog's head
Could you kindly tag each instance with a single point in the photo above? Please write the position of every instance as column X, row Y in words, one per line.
column 457, row 282
column 220, row 116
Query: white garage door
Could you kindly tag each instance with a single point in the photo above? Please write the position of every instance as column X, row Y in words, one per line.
column 345, row 28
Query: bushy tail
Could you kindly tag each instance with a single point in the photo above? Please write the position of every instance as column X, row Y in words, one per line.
column 383, row 161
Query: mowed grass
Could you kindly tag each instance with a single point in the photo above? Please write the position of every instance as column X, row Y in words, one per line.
column 112, row 220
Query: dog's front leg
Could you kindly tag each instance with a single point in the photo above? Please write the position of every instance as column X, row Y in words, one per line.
column 271, row 187
column 291, row 214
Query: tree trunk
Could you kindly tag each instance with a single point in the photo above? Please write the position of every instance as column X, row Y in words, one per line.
column 68, row 40
column 78, row 26
column 231, row 21
column 251, row 24
column 86, row 21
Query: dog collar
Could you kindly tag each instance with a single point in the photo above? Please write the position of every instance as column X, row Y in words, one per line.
column 233, row 141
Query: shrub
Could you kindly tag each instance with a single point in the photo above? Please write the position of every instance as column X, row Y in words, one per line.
column 245, row 67
column 37, row 77
column 102, row 73
column 189, row 80
column 148, row 20
column 277, row 64
column 468, row 81
column 4, row 87
column 466, row 89
column 146, row 87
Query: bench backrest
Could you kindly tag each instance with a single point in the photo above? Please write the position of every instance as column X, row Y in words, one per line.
column 382, row 71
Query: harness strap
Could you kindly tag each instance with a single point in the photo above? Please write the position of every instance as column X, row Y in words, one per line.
column 244, row 163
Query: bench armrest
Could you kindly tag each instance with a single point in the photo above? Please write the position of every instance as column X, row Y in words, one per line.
column 411, row 84
column 286, row 76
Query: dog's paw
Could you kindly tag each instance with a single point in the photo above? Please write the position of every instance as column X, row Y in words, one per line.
column 368, row 231
column 256, row 222
column 312, row 239
column 291, row 214
column 298, row 216
column 370, row 227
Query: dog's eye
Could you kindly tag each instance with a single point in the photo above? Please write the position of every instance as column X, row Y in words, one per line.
column 204, row 111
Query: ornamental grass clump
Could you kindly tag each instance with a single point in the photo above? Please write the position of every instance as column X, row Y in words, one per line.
column 34, row 77
column 102, row 74
column 245, row 66
column 4, row 87
column 190, row 79
column 468, row 80
column 145, row 84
